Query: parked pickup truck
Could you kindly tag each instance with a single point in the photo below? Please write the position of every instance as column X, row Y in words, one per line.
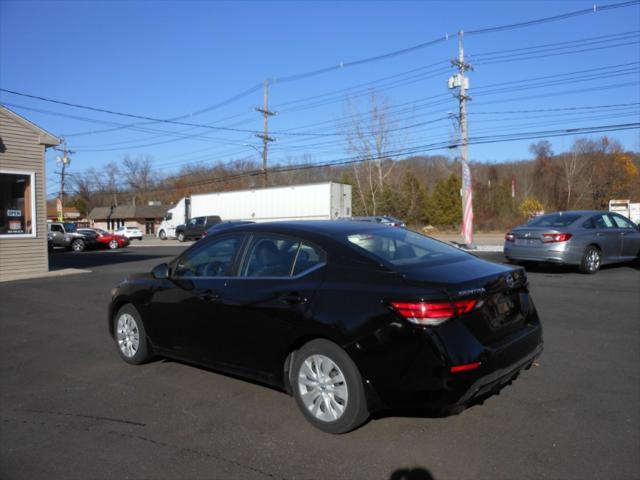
column 66, row 235
column 196, row 227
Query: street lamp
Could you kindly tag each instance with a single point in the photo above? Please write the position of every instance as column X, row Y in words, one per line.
column 252, row 146
column 264, row 170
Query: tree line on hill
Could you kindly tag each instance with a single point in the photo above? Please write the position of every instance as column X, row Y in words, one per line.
column 422, row 190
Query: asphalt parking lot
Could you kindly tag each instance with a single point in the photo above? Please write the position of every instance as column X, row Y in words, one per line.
column 70, row 408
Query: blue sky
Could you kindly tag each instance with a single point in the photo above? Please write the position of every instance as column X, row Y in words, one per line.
column 164, row 59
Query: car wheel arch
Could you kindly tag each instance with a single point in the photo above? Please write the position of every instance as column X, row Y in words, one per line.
column 595, row 245
column 115, row 308
column 291, row 351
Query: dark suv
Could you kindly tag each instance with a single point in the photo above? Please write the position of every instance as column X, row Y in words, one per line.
column 196, row 227
column 66, row 235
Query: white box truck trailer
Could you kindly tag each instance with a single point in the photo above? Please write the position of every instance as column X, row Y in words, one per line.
column 627, row 208
column 314, row 201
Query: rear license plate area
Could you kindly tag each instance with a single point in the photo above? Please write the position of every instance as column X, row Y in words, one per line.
column 527, row 242
column 501, row 309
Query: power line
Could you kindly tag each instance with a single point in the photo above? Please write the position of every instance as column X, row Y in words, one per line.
column 615, row 105
column 232, row 99
column 554, row 18
column 507, row 137
column 564, row 76
column 510, row 59
column 144, row 117
column 343, row 65
column 360, row 85
column 435, row 41
column 589, row 40
column 283, row 79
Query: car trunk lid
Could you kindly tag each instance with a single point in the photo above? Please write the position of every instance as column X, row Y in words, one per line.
column 533, row 236
column 501, row 292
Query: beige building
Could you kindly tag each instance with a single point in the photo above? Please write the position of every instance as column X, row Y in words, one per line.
column 145, row 217
column 23, row 209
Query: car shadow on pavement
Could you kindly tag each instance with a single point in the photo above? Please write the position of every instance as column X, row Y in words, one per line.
column 412, row 474
column 61, row 259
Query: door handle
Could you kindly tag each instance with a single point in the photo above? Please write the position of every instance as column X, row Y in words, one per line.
column 598, row 234
column 209, row 296
column 292, row 298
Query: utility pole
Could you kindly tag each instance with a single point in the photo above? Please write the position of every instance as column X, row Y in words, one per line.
column 65, row 161
column 265, row 136
column 460, row 83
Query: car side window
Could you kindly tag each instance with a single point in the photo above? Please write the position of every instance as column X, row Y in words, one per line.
column 308, row 257
column 210, row 260
column 270, row 256
column 588, row 223
column 56, row 228
column 603, row 221
column 622, row 222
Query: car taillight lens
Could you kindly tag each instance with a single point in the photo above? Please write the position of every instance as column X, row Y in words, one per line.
column 509, row 237
column 465, row 367
column 555, row 237
column 433, row 313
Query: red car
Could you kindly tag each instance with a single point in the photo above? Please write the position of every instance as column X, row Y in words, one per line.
column 107, row 239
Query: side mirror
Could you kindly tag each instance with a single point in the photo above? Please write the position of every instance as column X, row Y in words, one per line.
column 161, row 271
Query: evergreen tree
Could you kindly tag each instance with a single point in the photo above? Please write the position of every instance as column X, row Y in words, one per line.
column 445, row 205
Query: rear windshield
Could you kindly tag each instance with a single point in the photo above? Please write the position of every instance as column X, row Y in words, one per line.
column 554, row 220
column 402, row 247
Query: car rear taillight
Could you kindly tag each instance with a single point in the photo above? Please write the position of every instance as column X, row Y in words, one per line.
column 465, row 367
column 509, row 237
column 555, row 237
column 433, row 313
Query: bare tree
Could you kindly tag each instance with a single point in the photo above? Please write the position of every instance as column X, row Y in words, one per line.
column 572, row 167
column 369, row 139
column 138, row 174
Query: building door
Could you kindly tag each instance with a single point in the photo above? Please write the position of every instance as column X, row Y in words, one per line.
column 150, row 226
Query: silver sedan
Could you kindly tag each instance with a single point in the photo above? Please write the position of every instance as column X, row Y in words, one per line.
column 588, row 239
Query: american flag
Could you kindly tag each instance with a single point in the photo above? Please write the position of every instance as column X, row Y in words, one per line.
column 467, row 205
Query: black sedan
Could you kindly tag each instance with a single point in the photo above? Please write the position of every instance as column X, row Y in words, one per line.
column 347, row 317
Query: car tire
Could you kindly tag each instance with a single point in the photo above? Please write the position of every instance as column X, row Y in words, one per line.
column 591, row 260
column 181, row 237
column 332, row 406
column 78, row 245
column 113, row 244
column 130, row 336
column 162, row 235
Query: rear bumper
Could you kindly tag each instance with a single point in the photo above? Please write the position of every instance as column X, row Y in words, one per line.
column 414, row 372
column 496, row 380
column 553, row 252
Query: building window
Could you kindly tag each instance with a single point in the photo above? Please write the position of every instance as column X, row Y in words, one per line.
column 17, row 204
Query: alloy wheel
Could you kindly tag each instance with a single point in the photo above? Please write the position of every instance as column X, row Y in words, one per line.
column 127, row 335
column 323, row 388
column 77, row 246
column 593, row 260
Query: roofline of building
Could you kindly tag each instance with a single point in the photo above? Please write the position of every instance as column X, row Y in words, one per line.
column 45, row 138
